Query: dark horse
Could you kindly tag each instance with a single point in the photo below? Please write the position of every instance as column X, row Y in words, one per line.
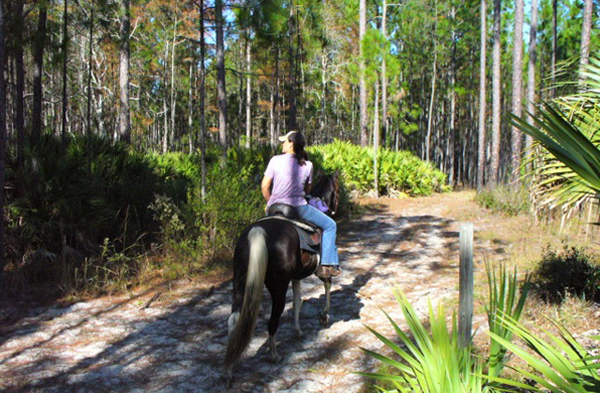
column 268, row 253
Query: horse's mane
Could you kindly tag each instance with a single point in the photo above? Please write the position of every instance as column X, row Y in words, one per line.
column 326, row 188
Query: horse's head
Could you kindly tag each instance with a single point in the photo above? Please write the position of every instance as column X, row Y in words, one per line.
column 327, row 188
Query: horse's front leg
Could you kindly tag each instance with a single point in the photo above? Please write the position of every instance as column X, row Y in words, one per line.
column 297, row 305
column 324, row 316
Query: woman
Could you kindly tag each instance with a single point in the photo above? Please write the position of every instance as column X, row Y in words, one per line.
column 287, row 180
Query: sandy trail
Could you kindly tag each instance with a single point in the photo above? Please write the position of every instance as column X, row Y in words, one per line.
column 115, row 344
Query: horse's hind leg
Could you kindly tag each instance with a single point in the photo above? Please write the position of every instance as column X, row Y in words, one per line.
column 278, row 292
column 324, row 316
column 297, row 305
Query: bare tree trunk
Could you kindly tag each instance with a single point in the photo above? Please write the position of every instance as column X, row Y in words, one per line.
column 191, row 109
column 384, row 116
column 20, row 90
column 496, row 103
column 278, row 97
column 517, row 88
column 364, row 136
column 531, row 68
column 64, row 75
column 586, row 31
column 202, row 94
column 272, row 119
column 376, row 140
column 323, row 117
column 90, row 67
column 482, row 100
column 173, row 90
column 554, row 46
column 430, row 114
column 2, row 143
column 293, row 58
column 451, row 148
column 248, row 94
column 39, row 44
column 124, row 111
column 165, row 141
column 221, row 87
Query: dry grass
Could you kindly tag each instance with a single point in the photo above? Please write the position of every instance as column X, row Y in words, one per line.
column 520, row 241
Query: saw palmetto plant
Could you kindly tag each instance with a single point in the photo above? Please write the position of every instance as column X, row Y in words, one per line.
column 505, row 297
column 429, row 360
column 566, row 172
column 558, row 364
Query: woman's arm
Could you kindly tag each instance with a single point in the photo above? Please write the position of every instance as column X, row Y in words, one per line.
column 265, row 187
column 308, row 186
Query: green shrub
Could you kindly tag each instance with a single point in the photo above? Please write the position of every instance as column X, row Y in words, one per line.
column 79, row 194
column 233, row 201
column 399, row 172
column 505, row 199
column 89, row 214
column 572, row 270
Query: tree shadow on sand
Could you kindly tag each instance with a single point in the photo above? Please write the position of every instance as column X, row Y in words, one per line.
column 183, row 349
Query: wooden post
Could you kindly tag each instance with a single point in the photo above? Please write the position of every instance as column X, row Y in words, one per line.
column 465, row 307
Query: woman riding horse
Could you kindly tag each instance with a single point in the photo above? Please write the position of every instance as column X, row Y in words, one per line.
column 268, row 252
column 290, row 176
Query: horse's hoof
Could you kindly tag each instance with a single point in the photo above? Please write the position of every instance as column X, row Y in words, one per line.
column 275, row 358
column 228, row 377
column 324, row 319
column 299, row 333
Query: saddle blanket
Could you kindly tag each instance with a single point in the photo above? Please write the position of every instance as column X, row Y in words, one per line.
column 309, row 234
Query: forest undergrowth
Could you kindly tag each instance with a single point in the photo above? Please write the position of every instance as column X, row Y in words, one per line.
column 90, row 216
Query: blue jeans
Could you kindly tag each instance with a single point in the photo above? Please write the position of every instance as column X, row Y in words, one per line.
column 329, row 252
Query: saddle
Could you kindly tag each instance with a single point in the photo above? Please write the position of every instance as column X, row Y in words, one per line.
column 308, row 233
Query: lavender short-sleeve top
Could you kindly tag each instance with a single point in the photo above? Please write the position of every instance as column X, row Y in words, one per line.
column 289, row 179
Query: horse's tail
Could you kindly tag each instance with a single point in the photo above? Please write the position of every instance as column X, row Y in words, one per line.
column 242, row 329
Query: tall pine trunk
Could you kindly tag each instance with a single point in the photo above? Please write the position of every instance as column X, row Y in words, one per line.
column 2, row 142
column 201, row 99
column 586, row 31
column 517, row 88
column 291, row 122
column 496, row 103
column 482, row 99
column 191, row 108
column 64, row 75
column 531, row 67
column 376, row 140
column 451, row 148
column 364, row 135
column 248, row 93
column 90, row 68
column 430, row 114
column 20, row 90
column 221, row 88
column 173, row 95
column 165, row 140
column 384, row 76
column 38, row 57
column 124, row 111
column 554, row 46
